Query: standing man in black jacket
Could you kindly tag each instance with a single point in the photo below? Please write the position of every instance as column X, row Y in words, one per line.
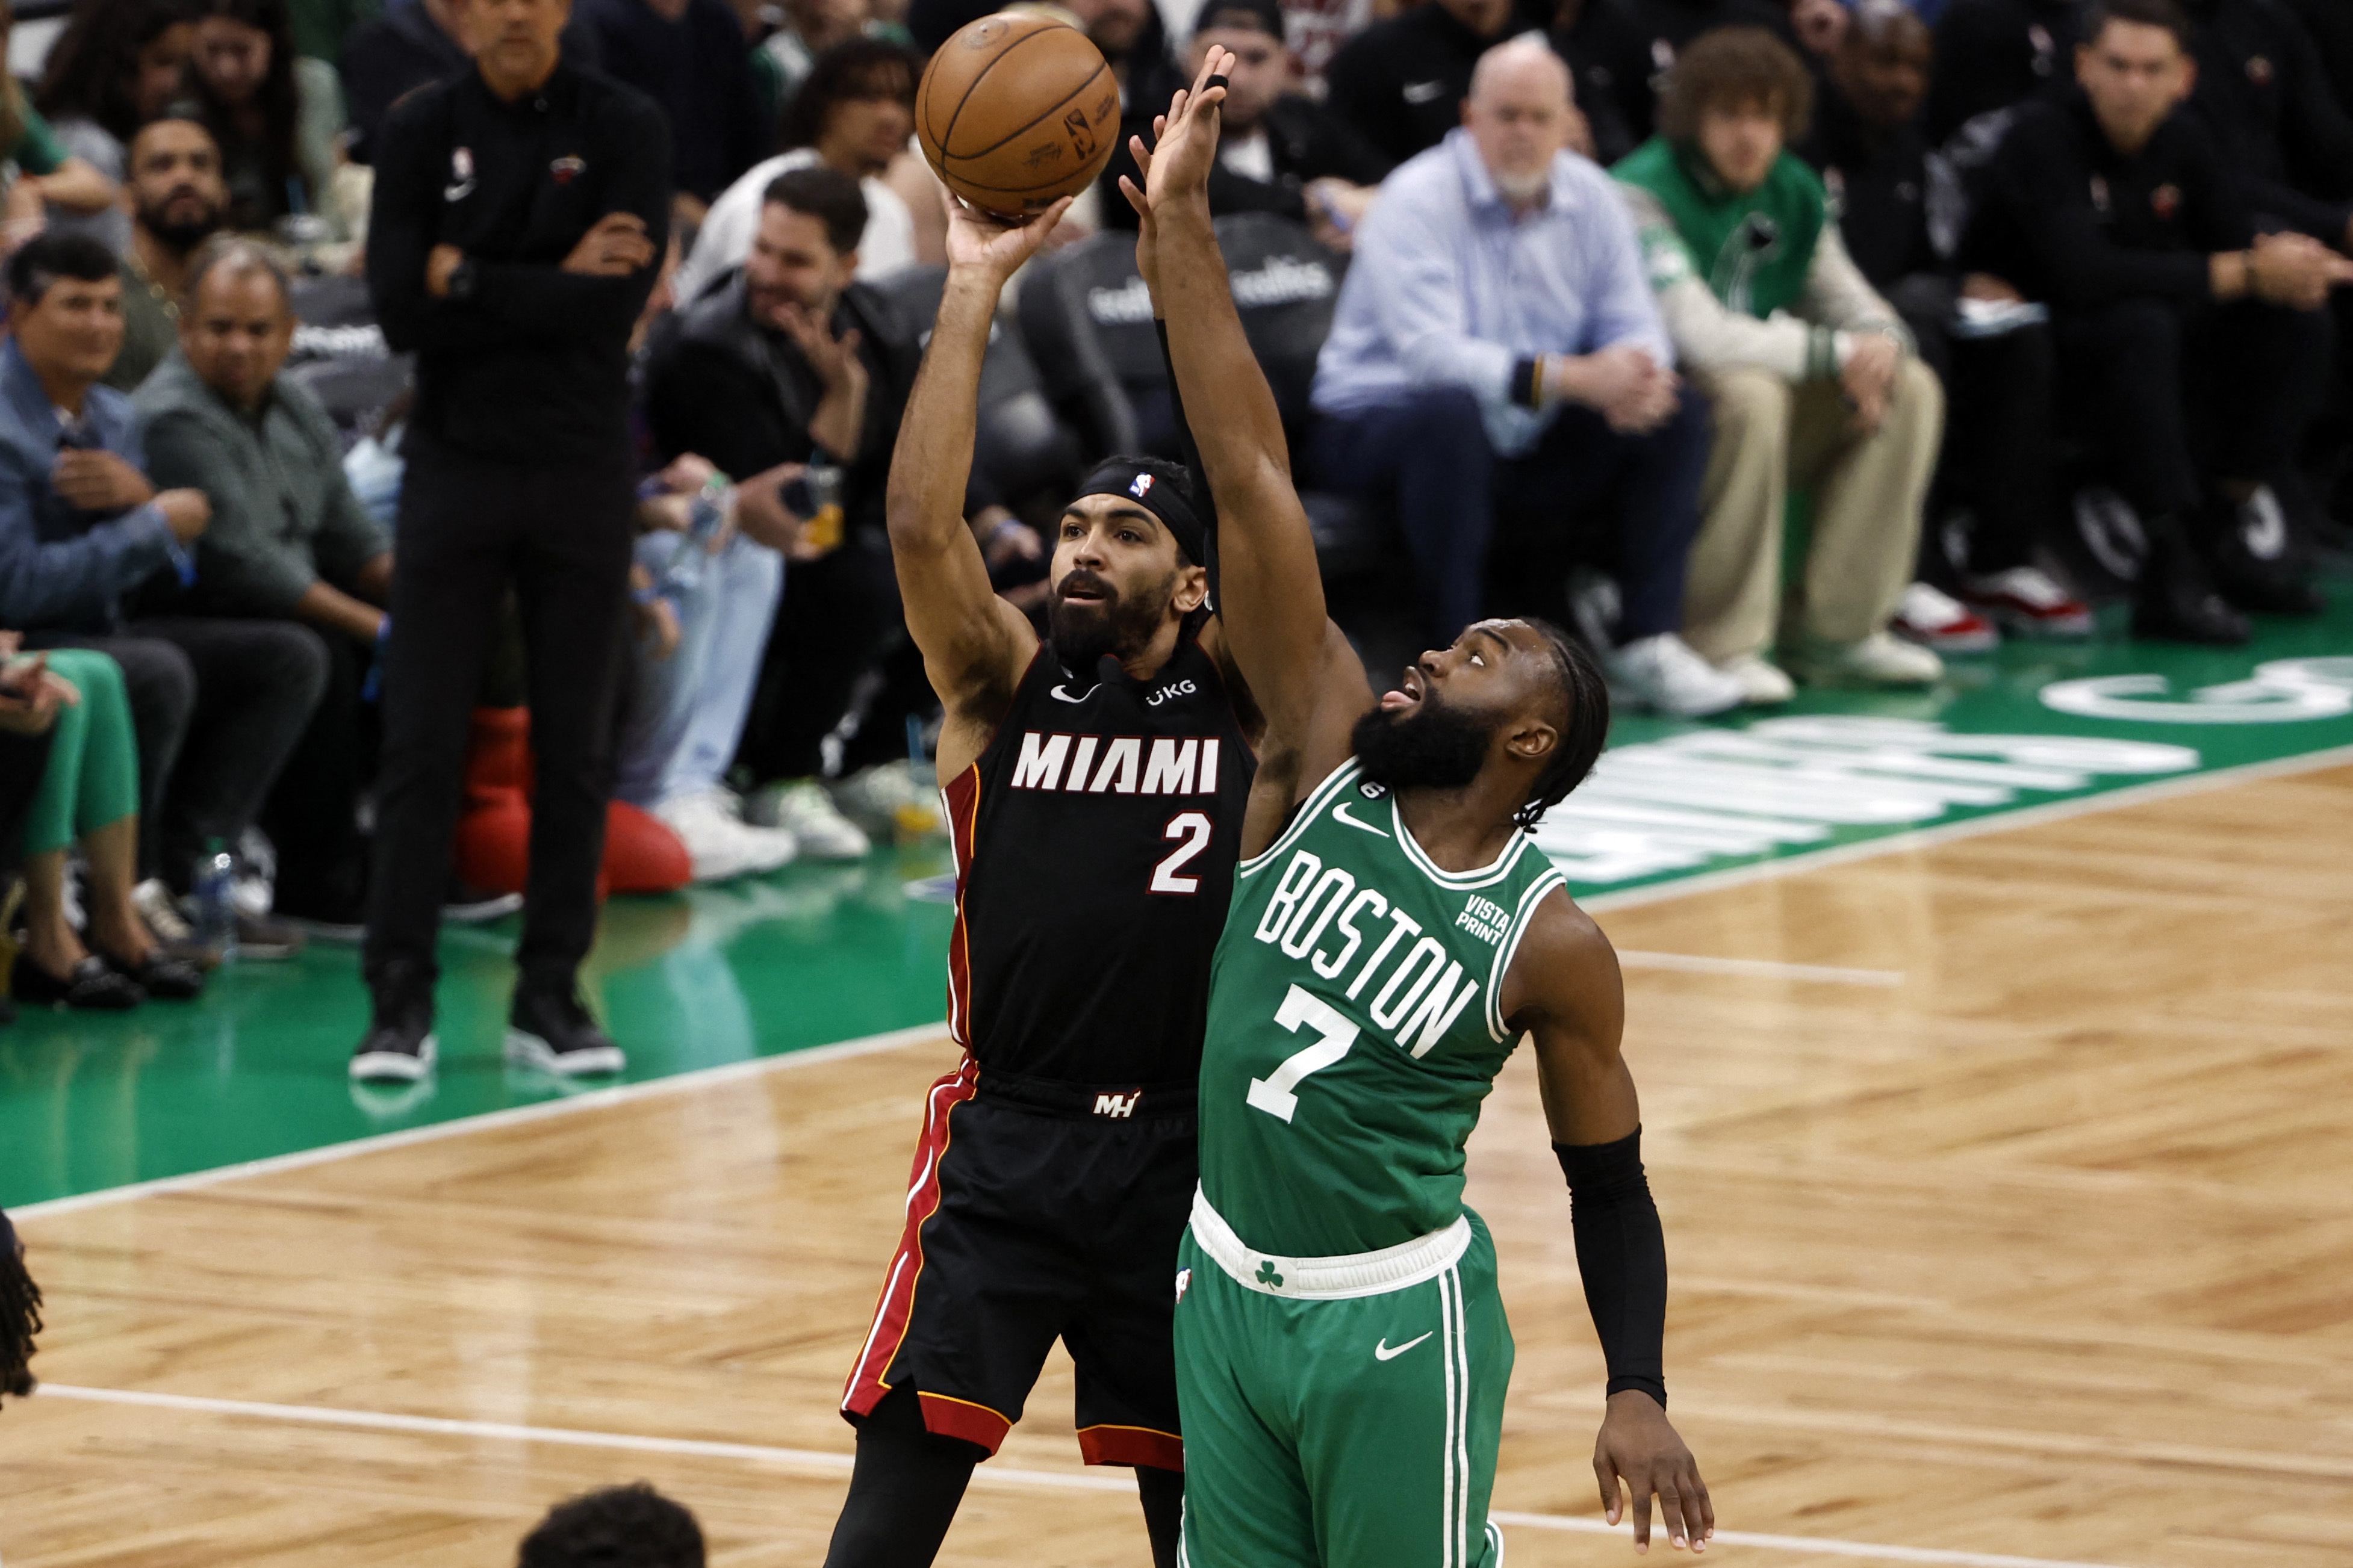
column 512, row 246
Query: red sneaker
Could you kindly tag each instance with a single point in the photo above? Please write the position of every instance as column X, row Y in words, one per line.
column 1936, row 620
column 2027, row 599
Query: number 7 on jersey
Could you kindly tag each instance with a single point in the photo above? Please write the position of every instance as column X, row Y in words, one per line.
column 1334, row 1034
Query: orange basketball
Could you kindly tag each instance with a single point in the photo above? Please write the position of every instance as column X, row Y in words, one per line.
column 1016, row 112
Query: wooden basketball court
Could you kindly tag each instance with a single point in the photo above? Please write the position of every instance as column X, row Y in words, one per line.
column 2009, row 1192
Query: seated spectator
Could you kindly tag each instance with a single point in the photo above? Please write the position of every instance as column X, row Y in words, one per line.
column 791, row 361
column 1607, row 61
column 115, row 67
column 1498, row 368
column 2265, row 100
column 1811, row 372
column 689, row 56
column 810, row 28
column 218, row 705
column 287, row 541
column 1994, row 55
column 853, row 114
column 177, row 202
column 276, row 148
column 1400, row 83
column 48, row 174
column 89, row 794
column 2330, row 23
column 1659, row 30
column 20, row 1315
column 386, row 57
column 2191, row 345
column 619, row 1527
column 1277, row 151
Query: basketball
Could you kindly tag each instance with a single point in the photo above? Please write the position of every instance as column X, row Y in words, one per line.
column 1016, row 112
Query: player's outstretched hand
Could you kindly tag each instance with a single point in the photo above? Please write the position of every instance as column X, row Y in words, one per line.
column 1638, row 1445
column 1184, row 141
column 979, row 241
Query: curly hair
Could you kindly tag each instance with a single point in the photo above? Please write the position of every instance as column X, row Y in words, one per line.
column 93, row 69
column 862, row 68
column 20, row 1315
column 619, row 1527
column 1730, row 68
column 1587, row 695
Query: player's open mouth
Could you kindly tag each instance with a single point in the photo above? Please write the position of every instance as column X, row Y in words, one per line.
column 1406, row 693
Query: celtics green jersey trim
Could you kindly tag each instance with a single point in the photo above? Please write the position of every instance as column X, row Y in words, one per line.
column 1354, row 1026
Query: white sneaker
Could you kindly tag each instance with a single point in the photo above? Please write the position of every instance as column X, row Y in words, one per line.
column 802, row 808
column 1664, row 672
column 1935, row 619
column 161, row 911
column 1762, row 682
column 719, row 844
column 1879, row 659
column 890, row 796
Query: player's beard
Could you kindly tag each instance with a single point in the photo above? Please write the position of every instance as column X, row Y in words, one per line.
column 1117, row 625
column 1428, row 746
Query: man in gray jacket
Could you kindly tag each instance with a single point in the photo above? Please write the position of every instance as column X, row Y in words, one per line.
column 289, row 540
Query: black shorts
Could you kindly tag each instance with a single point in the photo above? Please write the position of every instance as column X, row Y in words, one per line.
column 1039, row 1210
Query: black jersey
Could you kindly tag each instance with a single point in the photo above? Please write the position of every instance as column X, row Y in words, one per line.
column 1095, row 843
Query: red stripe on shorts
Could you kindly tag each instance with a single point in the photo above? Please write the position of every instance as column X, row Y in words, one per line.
column 1132, row 1445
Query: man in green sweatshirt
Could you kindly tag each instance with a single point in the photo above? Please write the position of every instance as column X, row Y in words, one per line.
column 1812, row 375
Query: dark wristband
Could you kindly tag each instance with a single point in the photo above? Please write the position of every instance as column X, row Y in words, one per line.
column 1528, row 382
column 1621, row 1252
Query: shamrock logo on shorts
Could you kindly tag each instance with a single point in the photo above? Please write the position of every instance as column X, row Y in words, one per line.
column 1266, row 1273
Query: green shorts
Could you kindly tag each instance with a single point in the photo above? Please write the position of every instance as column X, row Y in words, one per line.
column 1333, row 1418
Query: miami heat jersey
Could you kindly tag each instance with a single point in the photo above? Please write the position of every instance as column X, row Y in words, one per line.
column 1095, row 842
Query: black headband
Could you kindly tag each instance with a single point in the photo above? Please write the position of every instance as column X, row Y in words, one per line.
column 1130, row 481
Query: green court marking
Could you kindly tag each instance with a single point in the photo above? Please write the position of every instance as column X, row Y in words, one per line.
column 816, row 953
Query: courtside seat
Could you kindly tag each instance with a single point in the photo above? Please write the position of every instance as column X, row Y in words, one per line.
column 1087, row 319
column 340, row 355
column 1020, row 444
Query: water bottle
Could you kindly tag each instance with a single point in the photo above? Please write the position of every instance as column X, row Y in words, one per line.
column 217, row 899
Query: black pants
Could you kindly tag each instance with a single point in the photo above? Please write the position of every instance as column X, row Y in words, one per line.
column 2174, row 396
column 839, row 619
column 312, row 814
column 217, row 706
column 471, row 528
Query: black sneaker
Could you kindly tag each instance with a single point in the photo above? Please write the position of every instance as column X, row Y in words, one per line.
column 400, row 1045
column 549, row 1031
column 2175, row 601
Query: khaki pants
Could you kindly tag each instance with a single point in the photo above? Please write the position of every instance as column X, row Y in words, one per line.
column 1867, row 493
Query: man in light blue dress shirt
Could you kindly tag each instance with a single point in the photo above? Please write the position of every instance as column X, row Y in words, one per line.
column 1499, row 371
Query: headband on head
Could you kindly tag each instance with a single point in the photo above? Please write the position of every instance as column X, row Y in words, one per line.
column 1131, row 481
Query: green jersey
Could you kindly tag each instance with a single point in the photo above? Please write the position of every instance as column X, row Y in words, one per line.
column 1354, row 1026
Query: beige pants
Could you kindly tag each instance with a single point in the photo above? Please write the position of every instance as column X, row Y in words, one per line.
column 1867, row 494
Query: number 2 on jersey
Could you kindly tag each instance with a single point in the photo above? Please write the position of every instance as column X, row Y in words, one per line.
column 1334, row 1034
column 1195, row 828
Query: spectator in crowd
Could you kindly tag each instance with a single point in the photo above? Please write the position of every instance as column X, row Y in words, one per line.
column 792, row 362
column 1811, row 374
column 1657, row 31
column 389, row 57
column 1498, row 367
column 1136, row 43
column 321, row 26
column 1602, row 46
column 1995, row 480
column 810, row 28
column 20, row 1315
column 2330, row 23
column 89, row 794
column 2265, row 99
column 689, row 56
column 287, row 541
column 2190, row 344
column 178, row 200
column 48, row 174
column 619, row 1527
column 1994, row 55
column 277, row 148
column 217, row 705
column 1400, row 83
column 854, row 114
column 518, row 477
column 115, row 67
column 1277, row 151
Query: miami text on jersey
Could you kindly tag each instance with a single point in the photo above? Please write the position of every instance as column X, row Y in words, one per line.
column 1068, row 763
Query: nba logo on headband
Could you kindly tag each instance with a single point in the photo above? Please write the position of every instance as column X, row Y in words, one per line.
column 1140, row 486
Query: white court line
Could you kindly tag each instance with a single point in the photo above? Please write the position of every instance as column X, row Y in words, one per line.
column 1759, row 968
column 514, row 1116
column 1061, row 1480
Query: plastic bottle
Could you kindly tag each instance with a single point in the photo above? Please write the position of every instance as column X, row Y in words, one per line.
column 215, row 896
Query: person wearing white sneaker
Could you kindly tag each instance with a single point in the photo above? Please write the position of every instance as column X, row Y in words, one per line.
column 1935, row 619
column 719, row 842
column 802, row 808
column 1812, row 375
column 1881, row 658
column 1665, row 673
column 2028, row 599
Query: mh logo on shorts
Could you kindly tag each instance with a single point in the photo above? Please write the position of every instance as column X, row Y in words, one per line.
column 1119, row 1106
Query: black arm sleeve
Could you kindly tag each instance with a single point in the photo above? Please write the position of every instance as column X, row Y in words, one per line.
column 1205, row 505
column 1622, row 1254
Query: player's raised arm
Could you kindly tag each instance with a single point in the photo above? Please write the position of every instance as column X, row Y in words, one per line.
column 1564, row 987
column 975, row 644
column 1270, row 595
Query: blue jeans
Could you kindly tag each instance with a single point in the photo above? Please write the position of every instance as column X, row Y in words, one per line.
column 687, row 713
column 1472, row 516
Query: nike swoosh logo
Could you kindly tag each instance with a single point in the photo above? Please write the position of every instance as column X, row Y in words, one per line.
column 1340, row 813
column 457, row 193
column 1063, row 696
column 1382, row 1351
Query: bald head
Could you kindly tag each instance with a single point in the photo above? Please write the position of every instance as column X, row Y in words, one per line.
column 1521, row 117
column 1883, row 63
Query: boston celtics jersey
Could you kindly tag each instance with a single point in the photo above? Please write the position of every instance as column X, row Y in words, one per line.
column 1354, row 1026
